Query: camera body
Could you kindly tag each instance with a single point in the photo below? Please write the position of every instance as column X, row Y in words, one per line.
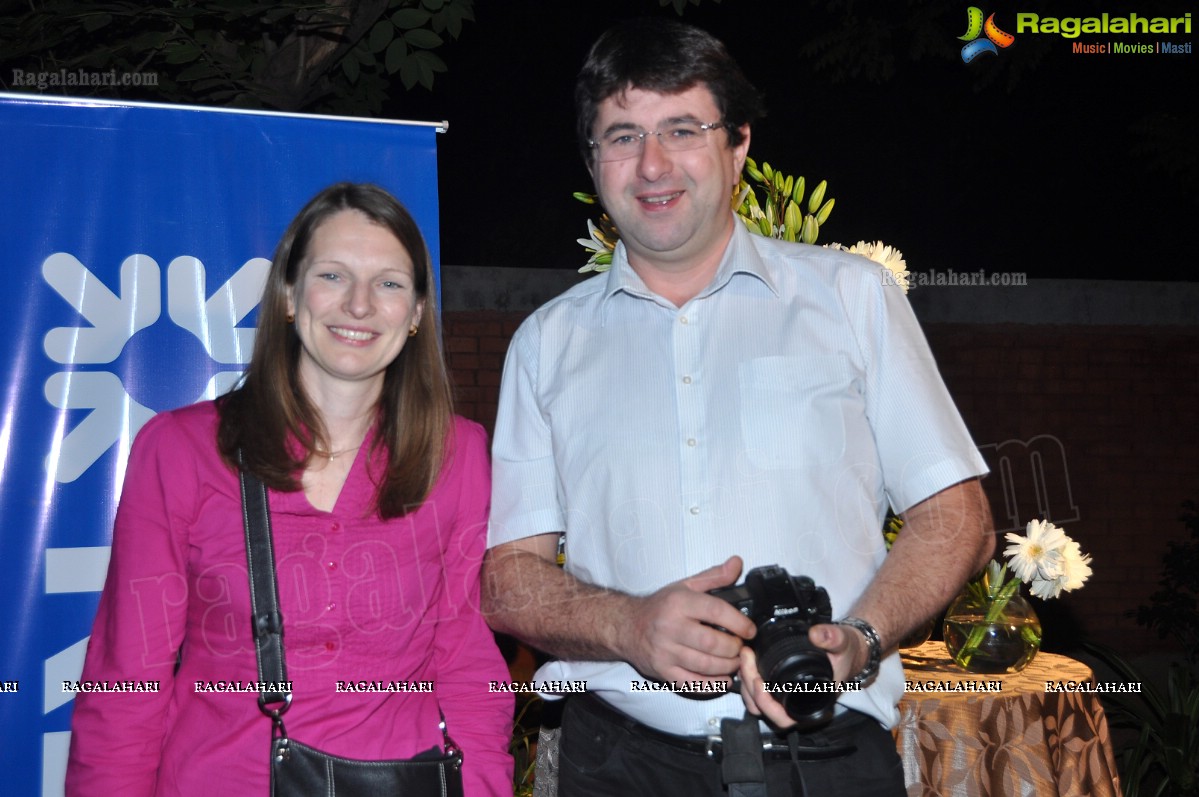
column 783, row 607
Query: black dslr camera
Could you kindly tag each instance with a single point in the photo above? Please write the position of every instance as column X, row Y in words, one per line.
column 797, row 673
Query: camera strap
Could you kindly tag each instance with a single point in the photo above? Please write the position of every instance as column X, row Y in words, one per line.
column 741, row 766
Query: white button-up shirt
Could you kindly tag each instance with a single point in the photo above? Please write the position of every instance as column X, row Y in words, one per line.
column 775, row 416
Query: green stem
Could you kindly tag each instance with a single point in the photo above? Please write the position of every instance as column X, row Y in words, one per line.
column 995, row 607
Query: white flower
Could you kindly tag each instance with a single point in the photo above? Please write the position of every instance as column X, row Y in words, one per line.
column 1045, row 588
column 600, row 248
column 1076, row 568
column 597, row 242
column 1038, row 554
column 1047, row 560
column 888, row 256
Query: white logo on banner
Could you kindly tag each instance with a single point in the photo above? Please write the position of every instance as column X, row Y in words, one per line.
column 114, row 319
column 114, row 415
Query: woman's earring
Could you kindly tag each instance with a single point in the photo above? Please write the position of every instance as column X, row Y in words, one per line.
column 291, row 319
column 412, row 330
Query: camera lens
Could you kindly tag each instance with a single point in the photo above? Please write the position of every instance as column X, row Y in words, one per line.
column 798, row 674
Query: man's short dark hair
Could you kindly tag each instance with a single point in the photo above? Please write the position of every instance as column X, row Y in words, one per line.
column 666, row 57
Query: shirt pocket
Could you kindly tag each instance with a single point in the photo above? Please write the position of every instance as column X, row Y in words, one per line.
column 793, row 410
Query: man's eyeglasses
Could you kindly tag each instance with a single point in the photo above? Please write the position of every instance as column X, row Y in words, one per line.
column 620, row 145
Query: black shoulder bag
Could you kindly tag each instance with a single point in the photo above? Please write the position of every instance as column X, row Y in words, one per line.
column 297, row 769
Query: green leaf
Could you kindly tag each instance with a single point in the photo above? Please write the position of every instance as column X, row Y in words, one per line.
column 433, row 5
column 182, row 53
column 407, row 18
column 425, row 39
column 197, row 71
column 93, row 22
column 409, row 72
column 454, row 17
column 397, row 51
column 351, row 68
column 153, row 40
column 430, row 61
column 381, row 36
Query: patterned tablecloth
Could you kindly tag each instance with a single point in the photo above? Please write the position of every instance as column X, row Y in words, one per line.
column 1035, row 736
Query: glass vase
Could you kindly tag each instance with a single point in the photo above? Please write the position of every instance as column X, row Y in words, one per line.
column 986, row 636
column 919, row 635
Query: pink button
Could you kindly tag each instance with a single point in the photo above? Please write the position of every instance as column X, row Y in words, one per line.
column 336, row 527
column 333, row 565
column 330, row 646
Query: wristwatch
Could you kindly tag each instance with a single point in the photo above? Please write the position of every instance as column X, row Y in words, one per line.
column 874, row 650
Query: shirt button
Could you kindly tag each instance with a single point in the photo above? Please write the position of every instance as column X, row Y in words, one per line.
column 331, row 607
column 694, row 510
column 713, row 722
column 335, row 527
column 686, row 380
column 333, row 565
column 691, row 442
column 330, row 646
column 683, row 319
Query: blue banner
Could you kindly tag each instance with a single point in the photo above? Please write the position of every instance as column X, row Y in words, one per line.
column 136, row 240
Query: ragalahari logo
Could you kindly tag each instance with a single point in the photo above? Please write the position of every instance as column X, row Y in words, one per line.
column 975, row 27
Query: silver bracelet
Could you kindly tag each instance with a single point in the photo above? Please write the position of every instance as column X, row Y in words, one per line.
column 874, row 650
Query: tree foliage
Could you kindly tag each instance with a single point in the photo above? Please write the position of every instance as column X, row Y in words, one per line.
column 337, row 56
column 1173, row 610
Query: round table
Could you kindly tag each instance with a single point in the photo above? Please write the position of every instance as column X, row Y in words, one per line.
column 1029, row 733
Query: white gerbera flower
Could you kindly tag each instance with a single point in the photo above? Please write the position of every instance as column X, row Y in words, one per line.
column 1045, row 588
column 1038, row 554
column 1076, row 568
column 888, row 256
column 1047, row 560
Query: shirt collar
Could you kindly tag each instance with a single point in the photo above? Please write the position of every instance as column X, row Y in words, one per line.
column 740, row 257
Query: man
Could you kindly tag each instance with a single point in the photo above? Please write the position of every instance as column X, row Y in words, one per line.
column 717, row 401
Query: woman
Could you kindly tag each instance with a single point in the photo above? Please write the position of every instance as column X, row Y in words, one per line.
column 378, row 497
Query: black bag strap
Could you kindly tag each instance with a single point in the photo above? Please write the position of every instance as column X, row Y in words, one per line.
column 264, row 604
column 264, row 594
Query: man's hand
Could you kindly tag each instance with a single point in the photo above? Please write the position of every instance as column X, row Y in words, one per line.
column 949, row 533
column 671, row 635
column 847, row 652
column 667, row 635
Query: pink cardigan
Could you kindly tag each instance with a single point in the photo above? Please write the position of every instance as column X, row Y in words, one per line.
column 363, row 600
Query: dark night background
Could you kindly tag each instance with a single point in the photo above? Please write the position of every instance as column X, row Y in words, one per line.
column 1036, row 160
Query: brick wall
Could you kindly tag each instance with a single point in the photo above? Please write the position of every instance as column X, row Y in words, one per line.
column 475, row 344
column 1095, row 426
column 1120, row 405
